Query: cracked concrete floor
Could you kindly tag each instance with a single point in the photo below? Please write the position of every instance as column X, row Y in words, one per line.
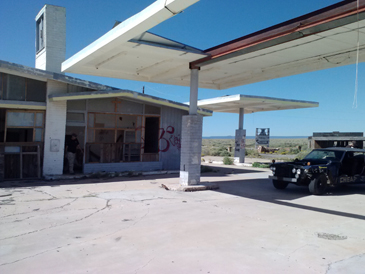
column 131, row 225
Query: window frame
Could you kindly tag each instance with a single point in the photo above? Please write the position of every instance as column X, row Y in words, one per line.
column 34, row 127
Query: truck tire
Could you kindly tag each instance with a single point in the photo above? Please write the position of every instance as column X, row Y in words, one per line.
column 279, row 184
column 318, row 185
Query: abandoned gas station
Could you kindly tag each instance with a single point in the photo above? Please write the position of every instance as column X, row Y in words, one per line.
column 121, row 130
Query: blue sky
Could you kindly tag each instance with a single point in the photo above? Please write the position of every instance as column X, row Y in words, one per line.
column 203, row 25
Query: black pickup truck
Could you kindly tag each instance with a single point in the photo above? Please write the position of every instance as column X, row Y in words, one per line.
column 322, row 168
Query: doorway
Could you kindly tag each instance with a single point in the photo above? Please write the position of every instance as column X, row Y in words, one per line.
column 152, row 125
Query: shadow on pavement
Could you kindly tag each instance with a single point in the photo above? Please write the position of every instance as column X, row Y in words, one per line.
column 219, row 170
column 263, row 190
column 81, row 181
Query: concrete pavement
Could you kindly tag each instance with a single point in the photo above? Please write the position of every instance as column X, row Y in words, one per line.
column 132, row 225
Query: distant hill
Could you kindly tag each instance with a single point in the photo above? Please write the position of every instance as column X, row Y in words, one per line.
column 253, row 137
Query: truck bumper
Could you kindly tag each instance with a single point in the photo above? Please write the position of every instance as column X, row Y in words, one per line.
column 291, row 180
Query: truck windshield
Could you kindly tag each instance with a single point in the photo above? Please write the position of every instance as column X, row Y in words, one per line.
column 324, row 155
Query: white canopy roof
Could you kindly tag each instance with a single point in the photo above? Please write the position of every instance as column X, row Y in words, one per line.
column 251, row 104
column 323, row 39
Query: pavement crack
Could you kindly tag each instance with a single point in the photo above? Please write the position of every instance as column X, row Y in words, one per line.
column 53, row 208
column 46, row 193
column 143, row 266
column 28, row 257
column 74, row 221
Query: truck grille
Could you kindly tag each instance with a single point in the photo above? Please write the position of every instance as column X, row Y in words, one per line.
column 285, row 171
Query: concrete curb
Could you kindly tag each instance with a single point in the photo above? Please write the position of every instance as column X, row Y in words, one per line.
column 200, row 187
column 108, row 175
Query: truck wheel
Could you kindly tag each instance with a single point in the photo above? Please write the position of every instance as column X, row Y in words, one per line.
column 318, row 185
column 279, row 184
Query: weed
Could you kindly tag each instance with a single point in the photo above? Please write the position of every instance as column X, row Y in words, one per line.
column 227, row 160
column 256, row 164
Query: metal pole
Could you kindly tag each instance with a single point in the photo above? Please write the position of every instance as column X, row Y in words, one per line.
column 194, row 85
column 240, row 123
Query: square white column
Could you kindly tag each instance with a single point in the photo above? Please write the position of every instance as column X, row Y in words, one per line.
column 191, row 146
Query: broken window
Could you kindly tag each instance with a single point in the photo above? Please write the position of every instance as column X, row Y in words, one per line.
column 36, row 90
column 15, row 89
column 18, row 88
column 104, row 120
column 126, row 121
column 19, row 135
column 24, row 126
column 120, row 136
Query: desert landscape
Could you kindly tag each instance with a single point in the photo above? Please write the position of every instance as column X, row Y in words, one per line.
column 286, row 149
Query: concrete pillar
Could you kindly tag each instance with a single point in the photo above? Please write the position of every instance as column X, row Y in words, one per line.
column 191, row 146
column 240, row 139
column 55, row 131
column 191, row 137
column 241, row 119
column 194, row 86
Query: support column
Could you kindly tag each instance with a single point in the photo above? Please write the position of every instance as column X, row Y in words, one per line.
column 240, row 139
column 191, row 137
column 194, row 86
column 55, row 130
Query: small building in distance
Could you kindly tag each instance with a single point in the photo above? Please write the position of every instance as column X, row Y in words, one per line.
column 336, row 139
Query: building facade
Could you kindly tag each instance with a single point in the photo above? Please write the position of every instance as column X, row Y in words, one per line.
column 118, row 130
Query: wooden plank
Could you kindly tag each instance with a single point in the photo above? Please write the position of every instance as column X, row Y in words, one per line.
column 39, row 161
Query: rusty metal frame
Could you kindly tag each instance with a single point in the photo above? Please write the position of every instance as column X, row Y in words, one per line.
column 293, row 27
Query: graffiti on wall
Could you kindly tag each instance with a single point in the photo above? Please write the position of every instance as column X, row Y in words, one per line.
column 168, row 138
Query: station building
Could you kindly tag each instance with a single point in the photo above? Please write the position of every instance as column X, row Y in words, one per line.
column 118, row 130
